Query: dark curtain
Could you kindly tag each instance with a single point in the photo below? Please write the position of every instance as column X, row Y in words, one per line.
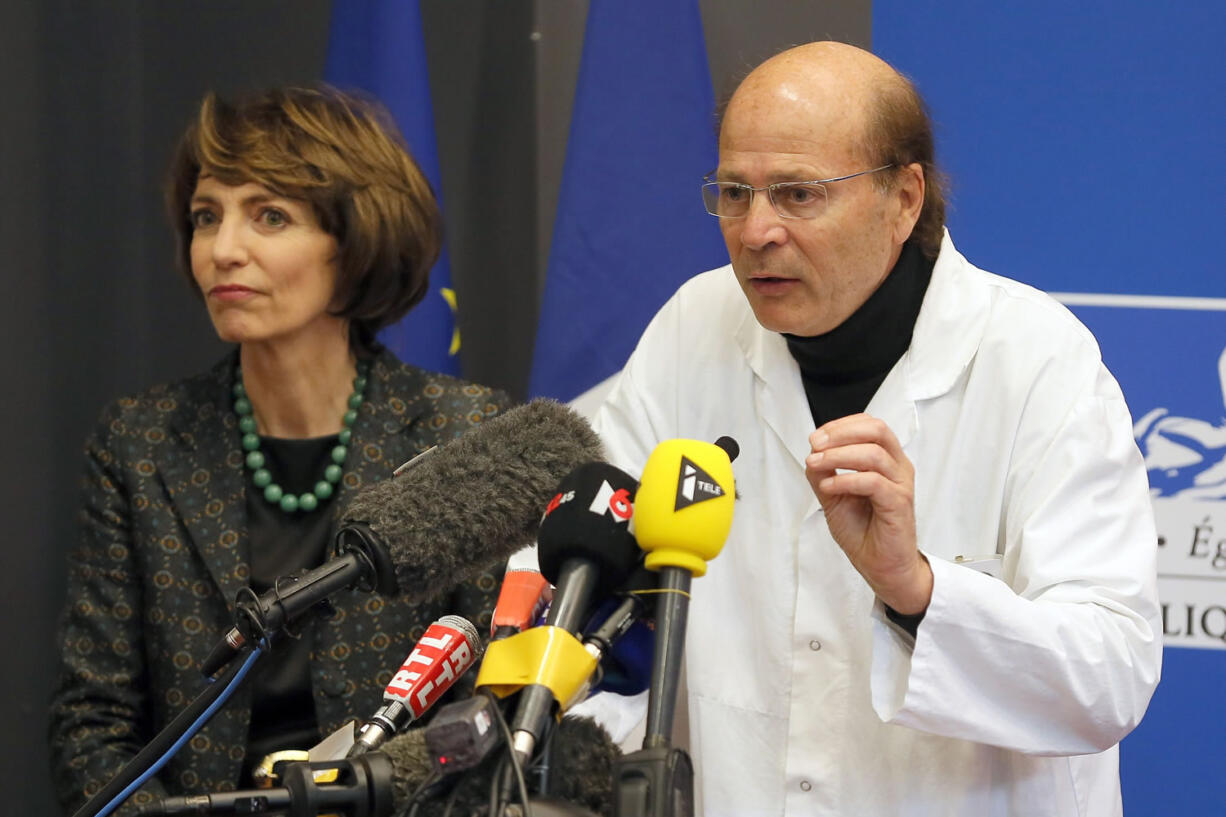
column 95, row 94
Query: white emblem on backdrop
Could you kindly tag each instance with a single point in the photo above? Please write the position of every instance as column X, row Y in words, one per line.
column 1186, row 461
column 1185, row 458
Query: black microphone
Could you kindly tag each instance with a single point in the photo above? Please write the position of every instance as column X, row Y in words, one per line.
column 470, row 504
column 581, row 776
column 361, row 786
column 627, row 651
column 626, row 665
column 730, row 446
column 586, row 550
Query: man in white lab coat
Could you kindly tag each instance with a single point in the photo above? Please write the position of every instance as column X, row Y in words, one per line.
column 938, row 597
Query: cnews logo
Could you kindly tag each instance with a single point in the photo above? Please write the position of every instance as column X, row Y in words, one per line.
column 608, row 501
column 557, row 500
column 694, row 485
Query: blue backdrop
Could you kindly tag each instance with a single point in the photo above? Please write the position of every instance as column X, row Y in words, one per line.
column 1085, row 146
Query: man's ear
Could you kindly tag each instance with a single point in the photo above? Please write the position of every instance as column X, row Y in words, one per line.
column 909, row 192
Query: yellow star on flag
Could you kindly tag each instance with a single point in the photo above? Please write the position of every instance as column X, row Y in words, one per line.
column 449, row 296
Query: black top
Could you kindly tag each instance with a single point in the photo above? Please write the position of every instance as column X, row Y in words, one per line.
column 843, row 368
column 282, row 703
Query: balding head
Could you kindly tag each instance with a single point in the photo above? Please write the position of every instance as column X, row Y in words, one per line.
column 820, row 82
column 862, row 101
column 801, row 125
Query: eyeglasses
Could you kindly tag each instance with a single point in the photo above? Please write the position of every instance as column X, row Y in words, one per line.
column 790, row 199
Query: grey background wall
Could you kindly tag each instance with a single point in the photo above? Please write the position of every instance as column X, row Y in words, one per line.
column 94, row 94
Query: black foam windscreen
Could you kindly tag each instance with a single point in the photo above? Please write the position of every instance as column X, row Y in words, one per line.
column 476, row 500
column 730, row 446
column 589, row 519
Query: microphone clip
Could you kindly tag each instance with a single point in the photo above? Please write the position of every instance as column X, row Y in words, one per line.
column 360, row 563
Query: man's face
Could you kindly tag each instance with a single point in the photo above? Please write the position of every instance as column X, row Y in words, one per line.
column 805, row 276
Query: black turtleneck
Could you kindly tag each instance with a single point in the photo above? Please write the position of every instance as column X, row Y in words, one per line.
column 843, row 368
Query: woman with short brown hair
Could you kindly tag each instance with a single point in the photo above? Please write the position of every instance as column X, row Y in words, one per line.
column 342, row 156
column 305, row 227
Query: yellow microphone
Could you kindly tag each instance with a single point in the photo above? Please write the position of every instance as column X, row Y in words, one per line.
column 683, row 513
column 683, row 508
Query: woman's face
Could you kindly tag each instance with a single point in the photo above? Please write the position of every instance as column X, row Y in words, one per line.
column 265, row 267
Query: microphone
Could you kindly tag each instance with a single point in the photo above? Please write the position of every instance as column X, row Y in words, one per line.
column 625, row 663
column 683, row 515
column 600, row 642
column 362, row 564
column 362, row 786
column 444, row 652
column 462, row 736
column 730, row 447
column 472, row 503
column 586, row 549
column 521, row 601
column 581, row 775
column 476, row 501
column 625, row 669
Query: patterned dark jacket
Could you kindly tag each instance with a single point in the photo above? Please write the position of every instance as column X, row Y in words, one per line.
column 164, row 550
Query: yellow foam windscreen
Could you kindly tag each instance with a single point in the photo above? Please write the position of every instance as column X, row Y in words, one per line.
column 683, row 507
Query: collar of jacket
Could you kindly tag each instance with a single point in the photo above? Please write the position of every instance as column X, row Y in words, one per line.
column 947, row 333
column 202, row 464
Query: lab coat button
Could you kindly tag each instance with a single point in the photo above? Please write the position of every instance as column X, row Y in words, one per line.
column 805, row 785
column 815, row 645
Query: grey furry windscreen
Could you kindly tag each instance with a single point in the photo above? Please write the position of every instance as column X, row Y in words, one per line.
column 581, row 759
column 476, row 500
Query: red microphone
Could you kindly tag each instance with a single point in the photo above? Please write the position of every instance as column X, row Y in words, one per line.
column 521, row 602
column 444, row 652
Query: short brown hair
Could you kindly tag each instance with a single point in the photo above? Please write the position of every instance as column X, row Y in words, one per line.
column 343, row 155
column 899, row 132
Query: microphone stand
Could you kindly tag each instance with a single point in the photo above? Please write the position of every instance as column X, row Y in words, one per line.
column 658, row 780
column 672, row 609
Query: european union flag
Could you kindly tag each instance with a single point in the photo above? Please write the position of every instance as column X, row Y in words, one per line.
column 630, row 226
column 377, row 46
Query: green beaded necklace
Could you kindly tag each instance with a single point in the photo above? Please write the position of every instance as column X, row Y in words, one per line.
column 262, row 478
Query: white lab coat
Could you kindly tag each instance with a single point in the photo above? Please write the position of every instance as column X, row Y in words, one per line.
column 803, row 698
